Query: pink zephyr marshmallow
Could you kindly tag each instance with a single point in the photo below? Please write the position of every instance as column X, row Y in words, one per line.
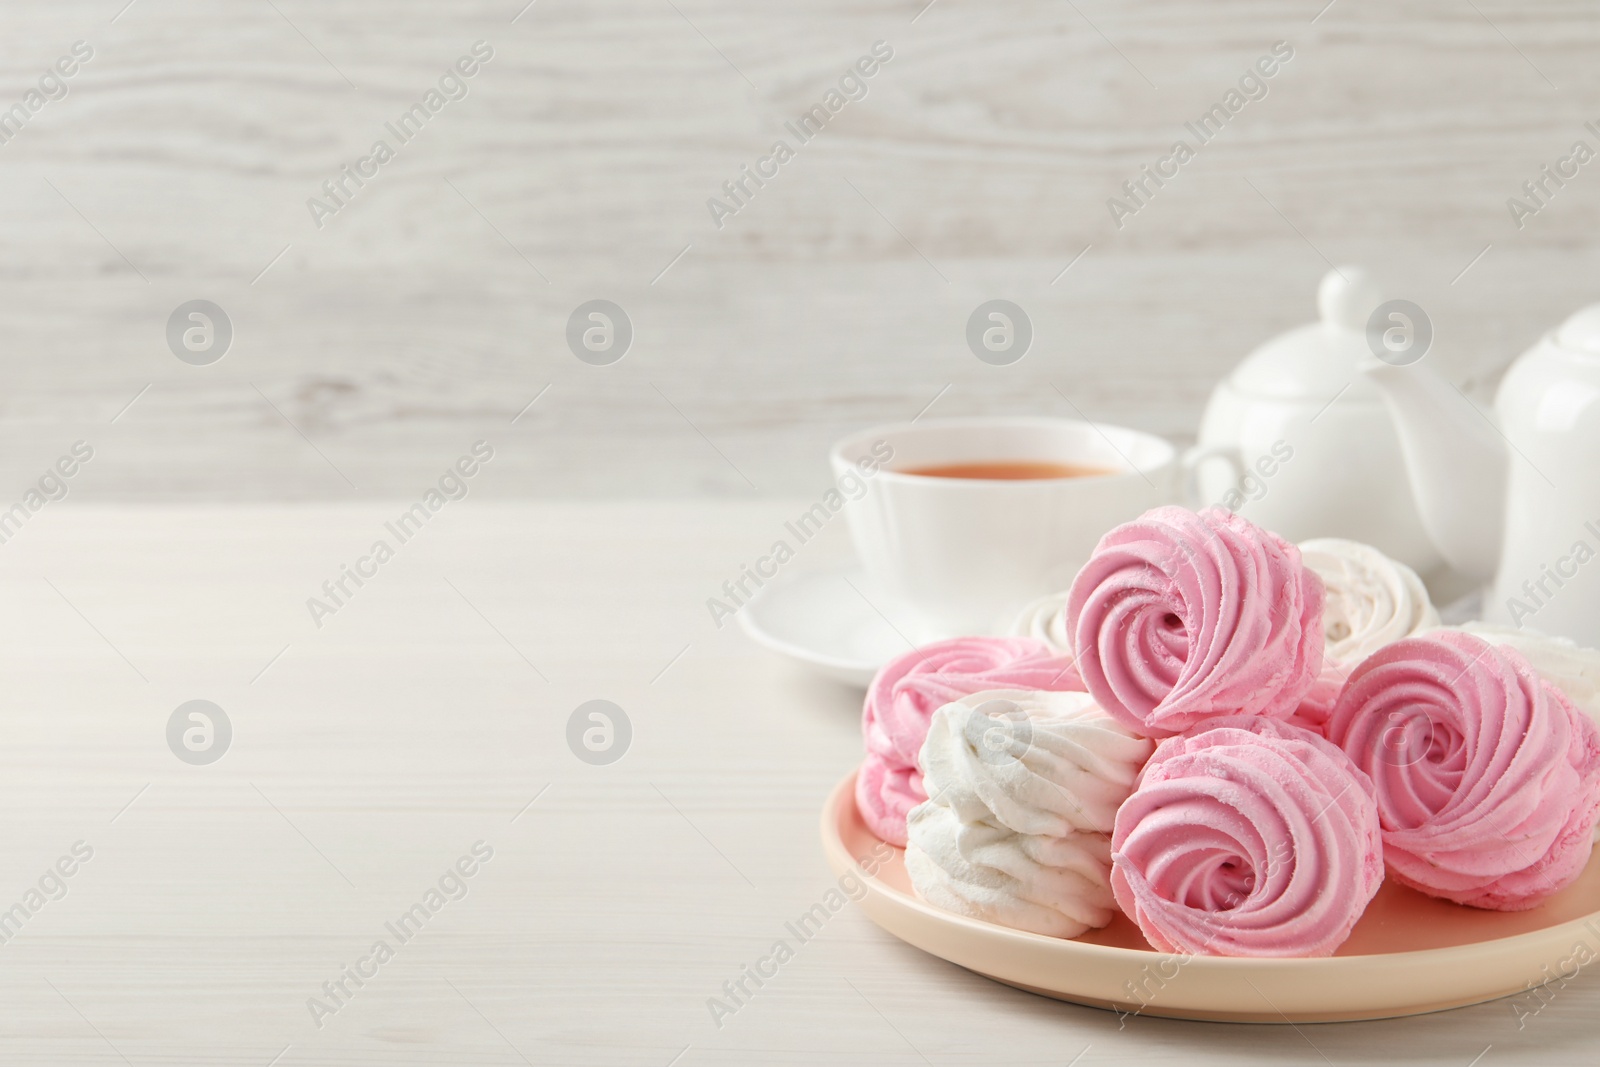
column 1317, row 704
column 910, row 688
column 1249, row 838
column 1181, row 617
column 1488, row 779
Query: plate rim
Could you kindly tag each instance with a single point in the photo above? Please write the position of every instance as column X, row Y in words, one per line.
column 841, row 860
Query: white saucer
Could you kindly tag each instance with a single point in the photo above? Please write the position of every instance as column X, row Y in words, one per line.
column 819, row 620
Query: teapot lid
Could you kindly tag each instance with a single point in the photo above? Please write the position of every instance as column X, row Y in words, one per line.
column 1581, row 331
column 1317, row 361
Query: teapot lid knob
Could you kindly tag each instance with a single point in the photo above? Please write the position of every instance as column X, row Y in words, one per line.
column 1347, row 297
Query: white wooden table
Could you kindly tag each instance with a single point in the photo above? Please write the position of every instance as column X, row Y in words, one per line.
column 430, row 713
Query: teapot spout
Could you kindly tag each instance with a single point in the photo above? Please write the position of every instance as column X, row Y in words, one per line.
column 1456, row 460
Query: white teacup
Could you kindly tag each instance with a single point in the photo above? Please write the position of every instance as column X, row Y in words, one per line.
column 947, row 556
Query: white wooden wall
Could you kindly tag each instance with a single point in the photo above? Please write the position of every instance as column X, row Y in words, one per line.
column 430, row 311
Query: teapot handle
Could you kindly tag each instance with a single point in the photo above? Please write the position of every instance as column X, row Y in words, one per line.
column 1198, row 455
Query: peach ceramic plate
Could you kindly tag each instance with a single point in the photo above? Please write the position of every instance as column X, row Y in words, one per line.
column 1409, row 954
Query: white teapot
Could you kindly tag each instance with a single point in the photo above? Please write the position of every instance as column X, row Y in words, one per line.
column 1298, row 440
column 1516, row 499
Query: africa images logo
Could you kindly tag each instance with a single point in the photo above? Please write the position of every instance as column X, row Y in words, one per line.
column 452, row 885
column 338, row 191
column 852, row 86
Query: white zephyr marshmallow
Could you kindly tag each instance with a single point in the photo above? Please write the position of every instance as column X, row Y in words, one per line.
column 1023, row 790
column 1371, row 600
column 1044, row 620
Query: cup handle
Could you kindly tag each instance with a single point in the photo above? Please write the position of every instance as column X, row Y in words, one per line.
column 1194, row 457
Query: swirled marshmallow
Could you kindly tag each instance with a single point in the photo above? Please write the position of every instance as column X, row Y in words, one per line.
column 1045, row 620
column 1023, row 792
column 1251, row 837
column 1488, row 779
column 910, row 688
column 1369, row 601
column 1181, row 617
